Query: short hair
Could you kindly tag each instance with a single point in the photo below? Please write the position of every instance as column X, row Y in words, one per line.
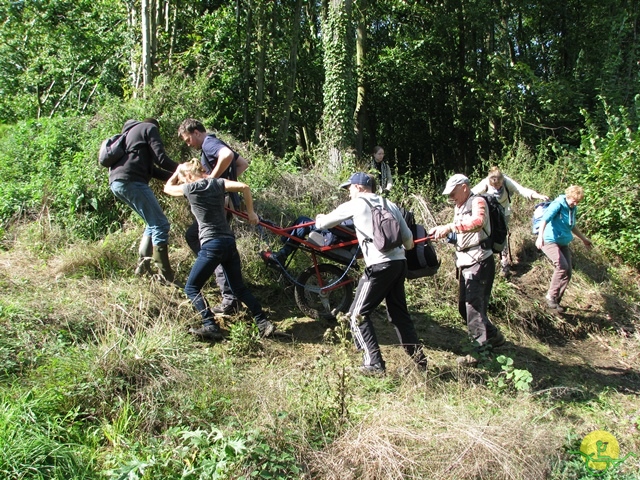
column 151, row 120
column 574, row 192
column 190, row 125
column 373, row 182
column 192, row 167
column 377, row 148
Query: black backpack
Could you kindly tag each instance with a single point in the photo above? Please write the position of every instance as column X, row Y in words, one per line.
column 499, row 231
column 386, row 229
column 113, row 149
column 422, row 260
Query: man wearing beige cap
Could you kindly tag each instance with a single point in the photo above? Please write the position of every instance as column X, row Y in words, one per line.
column 474, row 259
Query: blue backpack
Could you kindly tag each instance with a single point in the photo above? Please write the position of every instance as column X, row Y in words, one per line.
column 538, row 213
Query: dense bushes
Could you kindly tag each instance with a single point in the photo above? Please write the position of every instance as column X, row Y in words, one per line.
column 49, row 170
column 607, row 168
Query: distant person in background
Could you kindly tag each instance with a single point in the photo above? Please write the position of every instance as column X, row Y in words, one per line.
column 145, row 158
column 206, row 196
column 556, row 232
column 503, row 187
column 218, row 161
column 382, row 170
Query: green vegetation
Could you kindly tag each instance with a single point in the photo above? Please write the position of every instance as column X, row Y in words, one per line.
column 101, row 380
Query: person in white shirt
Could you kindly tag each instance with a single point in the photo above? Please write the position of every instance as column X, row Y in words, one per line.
column 503, row 188
column 383, row 277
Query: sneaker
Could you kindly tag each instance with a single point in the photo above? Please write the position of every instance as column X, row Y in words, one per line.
column 207, row 332
column 266, row 328
column 505, row 271
column 467, row 361
column 373, row 370
column 226, row 309
column 497, row 340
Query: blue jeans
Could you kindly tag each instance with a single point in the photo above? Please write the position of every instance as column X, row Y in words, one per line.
column 219, row 251
column 192, row 236
column 140, row 197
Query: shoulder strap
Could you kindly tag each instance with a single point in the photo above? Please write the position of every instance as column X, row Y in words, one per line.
column 366, row 237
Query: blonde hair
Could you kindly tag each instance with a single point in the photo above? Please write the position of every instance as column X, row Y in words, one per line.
column 575, row 192
column 496, row 172
column 192, row 167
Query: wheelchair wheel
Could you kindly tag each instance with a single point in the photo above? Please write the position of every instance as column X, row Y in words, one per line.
column 320, row 305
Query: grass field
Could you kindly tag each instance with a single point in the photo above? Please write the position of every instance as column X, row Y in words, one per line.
column 100, row 378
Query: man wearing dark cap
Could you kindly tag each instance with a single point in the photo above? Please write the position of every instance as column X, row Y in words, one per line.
column 383, row 278
column 474, row 259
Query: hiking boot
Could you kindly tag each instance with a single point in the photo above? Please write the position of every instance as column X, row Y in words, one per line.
column 422, row 364
column 377, row 369
column 266, row 328
column 420, row 360
column 497, row 340
column 207, row 332
column 553, row 304
column 226, row 309
column 467, row 361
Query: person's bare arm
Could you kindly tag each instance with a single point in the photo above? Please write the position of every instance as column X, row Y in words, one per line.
column 239, row 187
column 587, row 243
column 225, row 157
column 241, row 165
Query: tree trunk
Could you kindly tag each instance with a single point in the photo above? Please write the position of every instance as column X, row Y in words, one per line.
column 339, row 86
column 134, row 66
column 146, row 22
column 361, row 107
column 246, row 65
column 293, row 63
column 261, row 46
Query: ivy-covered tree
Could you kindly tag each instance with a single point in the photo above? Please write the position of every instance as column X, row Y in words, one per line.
column 339, row 85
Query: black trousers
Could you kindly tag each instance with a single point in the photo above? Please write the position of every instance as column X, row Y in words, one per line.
column 384, row 281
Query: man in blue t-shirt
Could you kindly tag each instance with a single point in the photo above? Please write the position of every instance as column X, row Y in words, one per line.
column 218, row 161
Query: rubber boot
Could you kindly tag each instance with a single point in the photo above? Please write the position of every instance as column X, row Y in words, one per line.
column 161, row 259
column 145, row 251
